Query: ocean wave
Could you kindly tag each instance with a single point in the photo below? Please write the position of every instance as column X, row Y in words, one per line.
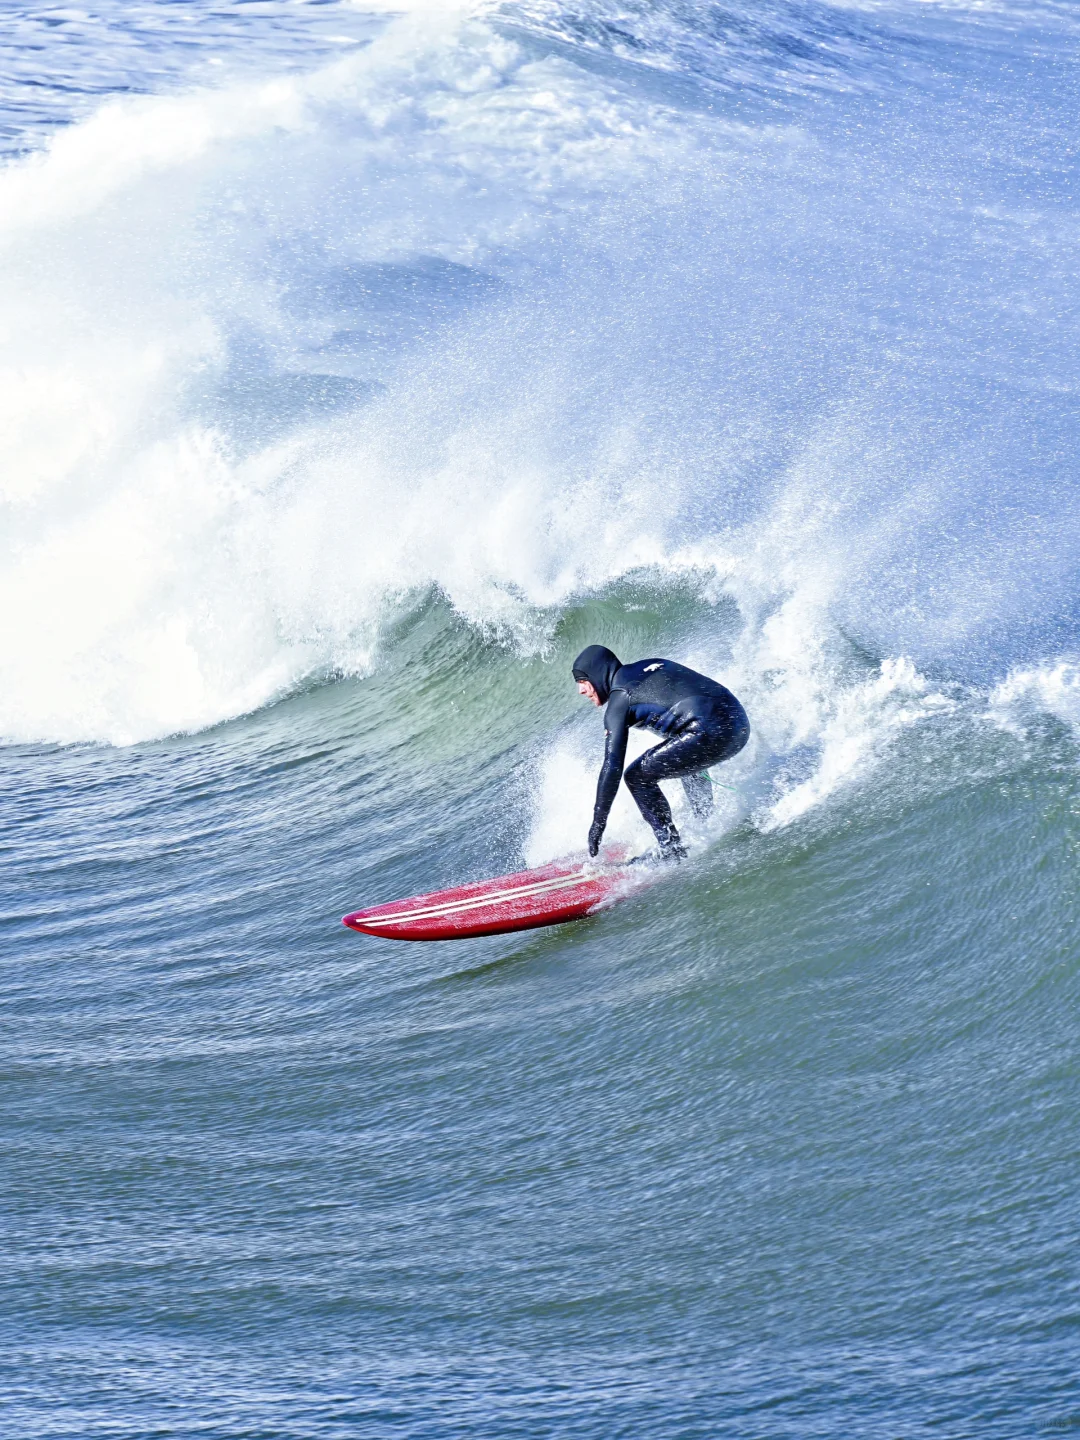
column 457, row 313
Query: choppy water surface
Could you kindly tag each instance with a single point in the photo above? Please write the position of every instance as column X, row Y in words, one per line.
column 351, row 385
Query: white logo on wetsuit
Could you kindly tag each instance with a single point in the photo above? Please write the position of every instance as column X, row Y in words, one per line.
column 658, row 666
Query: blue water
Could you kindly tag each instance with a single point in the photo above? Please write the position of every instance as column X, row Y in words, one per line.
column 360, row 368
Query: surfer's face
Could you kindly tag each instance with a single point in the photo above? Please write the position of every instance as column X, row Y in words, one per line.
column 588, row 689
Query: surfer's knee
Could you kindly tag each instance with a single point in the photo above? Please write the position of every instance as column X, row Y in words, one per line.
column 639, row 777
column 635, row 776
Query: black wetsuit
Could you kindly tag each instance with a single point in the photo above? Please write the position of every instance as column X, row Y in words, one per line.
column 701, row 721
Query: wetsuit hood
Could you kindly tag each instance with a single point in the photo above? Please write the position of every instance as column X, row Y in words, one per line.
column 599, row 665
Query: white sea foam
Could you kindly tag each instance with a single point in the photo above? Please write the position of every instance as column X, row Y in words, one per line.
column 860, row 723
column 563, row 799
column 1052, row 688
column 592, row 331
column 152, row 580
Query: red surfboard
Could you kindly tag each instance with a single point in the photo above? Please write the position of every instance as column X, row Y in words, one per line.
column 551, row 895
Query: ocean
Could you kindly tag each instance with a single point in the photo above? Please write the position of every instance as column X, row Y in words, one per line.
column 359, row 368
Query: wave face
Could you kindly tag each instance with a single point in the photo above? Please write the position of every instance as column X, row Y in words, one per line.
column 359, row 368
column 459, row 311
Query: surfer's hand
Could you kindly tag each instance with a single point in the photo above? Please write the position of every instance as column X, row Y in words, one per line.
column 596, row 834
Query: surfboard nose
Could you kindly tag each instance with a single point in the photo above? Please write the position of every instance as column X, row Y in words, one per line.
column 356, row 921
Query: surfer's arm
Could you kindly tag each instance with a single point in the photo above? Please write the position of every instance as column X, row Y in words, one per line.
column 617, row 726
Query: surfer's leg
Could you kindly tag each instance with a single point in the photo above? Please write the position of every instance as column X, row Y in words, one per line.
column 650, row 800
column 699, row 794
column 682, row 757
column 679, row 756
column 718, row 742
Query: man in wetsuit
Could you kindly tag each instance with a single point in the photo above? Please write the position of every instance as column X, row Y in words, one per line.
column 701, row 721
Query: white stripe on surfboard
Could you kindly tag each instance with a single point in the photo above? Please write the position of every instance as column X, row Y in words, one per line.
column 476, row 902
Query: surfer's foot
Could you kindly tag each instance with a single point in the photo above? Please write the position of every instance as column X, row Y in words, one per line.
column 671, row 856
column 671, row 847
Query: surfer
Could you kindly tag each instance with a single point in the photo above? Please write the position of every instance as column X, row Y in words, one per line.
column 701, row 721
